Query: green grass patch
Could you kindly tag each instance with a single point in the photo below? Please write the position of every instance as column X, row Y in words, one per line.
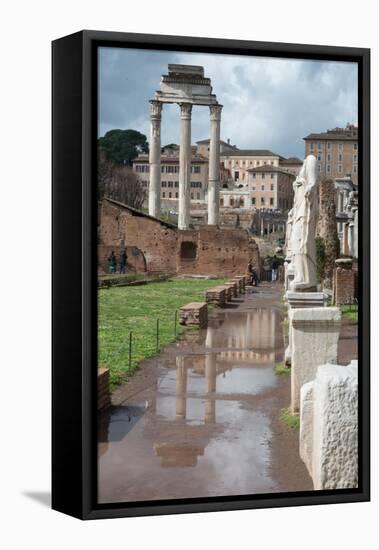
column 350, row 312
column 136, row 309
column 281, row 369
column 290, row 420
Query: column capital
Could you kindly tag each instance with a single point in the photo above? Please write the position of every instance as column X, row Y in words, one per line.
column 185, row 110
column 155, row 109
column 215, row 111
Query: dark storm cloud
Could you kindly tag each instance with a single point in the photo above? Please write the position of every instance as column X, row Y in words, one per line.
column 268, row 103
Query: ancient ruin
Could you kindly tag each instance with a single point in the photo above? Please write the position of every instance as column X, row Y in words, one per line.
column 185, row 85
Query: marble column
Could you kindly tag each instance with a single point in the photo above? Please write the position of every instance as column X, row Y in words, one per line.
column 262, row 227
column 214, row 166
column 155, row 158
column 185, row 166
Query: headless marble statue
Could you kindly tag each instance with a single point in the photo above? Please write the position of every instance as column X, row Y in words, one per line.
column 304, row 220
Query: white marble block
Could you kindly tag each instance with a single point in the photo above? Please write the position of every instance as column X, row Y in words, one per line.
column 314, row 334
column 329, row 427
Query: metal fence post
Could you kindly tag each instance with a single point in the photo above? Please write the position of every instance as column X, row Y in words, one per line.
column 157, row 334
column 175, row 321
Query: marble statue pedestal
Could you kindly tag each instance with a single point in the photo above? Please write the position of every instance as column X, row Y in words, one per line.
column 297, row 300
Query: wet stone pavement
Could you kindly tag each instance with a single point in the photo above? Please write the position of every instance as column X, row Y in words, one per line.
column 202, row 418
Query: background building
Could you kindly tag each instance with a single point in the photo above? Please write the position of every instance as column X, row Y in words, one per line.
column 336, row 151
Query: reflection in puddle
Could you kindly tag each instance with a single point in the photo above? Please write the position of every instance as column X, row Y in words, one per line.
column 202, row 428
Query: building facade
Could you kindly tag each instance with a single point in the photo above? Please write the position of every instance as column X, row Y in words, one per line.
column 336, row 151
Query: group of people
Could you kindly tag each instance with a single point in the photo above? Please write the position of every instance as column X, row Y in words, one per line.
column 112, row 261
column 254, row 279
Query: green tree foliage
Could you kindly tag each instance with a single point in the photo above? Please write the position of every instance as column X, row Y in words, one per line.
column 123, row 145
column 320, row 258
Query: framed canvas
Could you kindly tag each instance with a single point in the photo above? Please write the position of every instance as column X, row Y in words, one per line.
column 210, row 274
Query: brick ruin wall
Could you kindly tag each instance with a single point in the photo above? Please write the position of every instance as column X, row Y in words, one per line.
column 155, row 247
column 345, row 286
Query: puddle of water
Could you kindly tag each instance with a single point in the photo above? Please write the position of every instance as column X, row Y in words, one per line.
column 201, row 428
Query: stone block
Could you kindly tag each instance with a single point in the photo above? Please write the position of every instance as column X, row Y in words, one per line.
column 314, row 334
column 238, row 285
column 216, row 295
column 233, row 287
column 228, row 292
column 344, row 283
column 195, row 313
column 329, row 427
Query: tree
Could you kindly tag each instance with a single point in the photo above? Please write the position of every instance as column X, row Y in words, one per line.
column 123, row 146
column 119, row 183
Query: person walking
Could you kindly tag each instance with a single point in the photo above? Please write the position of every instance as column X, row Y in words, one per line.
column 274, row 269
column 123, row 259
column 112, row 263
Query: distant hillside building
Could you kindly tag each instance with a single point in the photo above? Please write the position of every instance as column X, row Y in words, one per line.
column 336, row 151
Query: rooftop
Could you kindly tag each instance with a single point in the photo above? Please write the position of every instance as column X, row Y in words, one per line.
column 270, row 168
column 253, row 153
column 349, row 133
column 291, row 160
column 138, row 213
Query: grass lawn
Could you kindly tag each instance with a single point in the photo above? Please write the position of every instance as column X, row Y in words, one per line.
column 136, row 309
column 350, row 312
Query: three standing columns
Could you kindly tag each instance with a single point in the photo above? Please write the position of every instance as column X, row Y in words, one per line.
column 214, row 166
column 155, row 158
column 184, row 163
column 185, row 166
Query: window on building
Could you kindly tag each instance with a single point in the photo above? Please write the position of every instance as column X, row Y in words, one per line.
column 262, row 187
column 164, row 195
column 195, row 169
column 164, row 184
column 176, row 195
column 236, row 176
column 312, row 145
column 319, row 146
column 355, row 169
column 176, row 184
column 340, row 147
column 272, row 176
column 272, row 164
column 262, row 201
column 257, row 163
column 191, row 196
column 319, row 167
column 170, row 184
column 170, row 195
column 253, row 201
column 253, row 188
column 263, row 176
column 355, row 158
column 242, row 202
column 328, row 146
column 355, row 146
column 319, row 158
column 328, row 158
column 264, row 162
column 231, row 201
column 272, row 187
column 271, row 201
column 198, row 196
column 339, row 158
column 221, row 201
column 339, row 169
column 328, row 168
column 254, row 175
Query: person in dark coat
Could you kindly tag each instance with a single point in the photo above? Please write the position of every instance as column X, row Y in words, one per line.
column 123, row 260
column 274, row 268
column 112, row 263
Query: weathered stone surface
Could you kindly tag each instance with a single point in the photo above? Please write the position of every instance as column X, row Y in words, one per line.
column 314, row 341
column 305, row 299
column 195, row 313
column 233, row 287
column 306, row 425
column 343, row 282
column 228, row 292
column 216, row 295
column 239, row 286
column 329, row 411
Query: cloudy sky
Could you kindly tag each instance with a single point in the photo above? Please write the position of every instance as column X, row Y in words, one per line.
column 268, row 103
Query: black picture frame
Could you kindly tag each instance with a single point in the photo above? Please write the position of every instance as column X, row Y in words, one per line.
column 74, row 203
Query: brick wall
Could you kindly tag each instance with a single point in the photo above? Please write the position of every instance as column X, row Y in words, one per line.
column 155, row 247
column 344, row 286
